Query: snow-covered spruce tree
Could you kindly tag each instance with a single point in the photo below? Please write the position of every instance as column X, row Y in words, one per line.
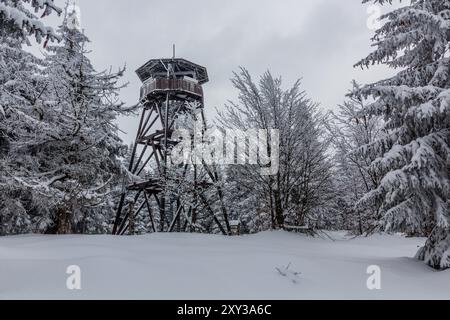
column 350, row 130
column 21, row 90
column 80, row 156
column 413, row 153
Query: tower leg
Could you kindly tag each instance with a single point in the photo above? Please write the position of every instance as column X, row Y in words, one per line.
column 174, row 198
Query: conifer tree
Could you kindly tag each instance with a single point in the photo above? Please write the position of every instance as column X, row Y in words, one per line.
column 83, row 150
column 21, row 102
column 413, row 153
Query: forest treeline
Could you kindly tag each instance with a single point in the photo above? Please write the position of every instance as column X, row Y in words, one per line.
column 379, row 162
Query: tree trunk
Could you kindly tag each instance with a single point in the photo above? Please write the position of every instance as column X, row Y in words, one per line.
column 278, row 209
column 63, row 223
column 272, row 211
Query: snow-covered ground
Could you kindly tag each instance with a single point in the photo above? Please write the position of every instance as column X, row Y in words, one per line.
column 186, row 266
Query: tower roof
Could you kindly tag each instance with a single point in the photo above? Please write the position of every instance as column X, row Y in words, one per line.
column 157, row 67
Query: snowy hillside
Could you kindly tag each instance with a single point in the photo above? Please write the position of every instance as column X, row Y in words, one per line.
column 187, row 266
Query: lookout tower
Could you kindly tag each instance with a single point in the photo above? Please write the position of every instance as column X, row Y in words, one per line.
column 170, row 88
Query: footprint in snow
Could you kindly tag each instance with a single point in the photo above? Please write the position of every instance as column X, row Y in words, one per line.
column 289, row 274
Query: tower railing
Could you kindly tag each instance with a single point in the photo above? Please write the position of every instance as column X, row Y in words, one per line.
column 161, row 84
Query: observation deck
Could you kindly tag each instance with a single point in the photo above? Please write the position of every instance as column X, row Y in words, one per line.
column 180, row 77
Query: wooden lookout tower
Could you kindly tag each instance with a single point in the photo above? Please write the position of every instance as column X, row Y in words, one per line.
column 171, row 88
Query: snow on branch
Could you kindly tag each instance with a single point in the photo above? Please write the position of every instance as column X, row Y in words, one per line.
column 27, row 22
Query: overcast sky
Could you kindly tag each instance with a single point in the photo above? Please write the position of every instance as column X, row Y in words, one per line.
column 317, row 40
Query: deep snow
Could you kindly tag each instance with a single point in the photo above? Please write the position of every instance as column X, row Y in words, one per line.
column 187, row 266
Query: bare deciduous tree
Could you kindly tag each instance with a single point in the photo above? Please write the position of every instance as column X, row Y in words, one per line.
column 293, row 195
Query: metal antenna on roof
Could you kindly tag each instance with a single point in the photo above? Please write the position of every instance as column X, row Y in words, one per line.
column 164, row 65
column 174, row 51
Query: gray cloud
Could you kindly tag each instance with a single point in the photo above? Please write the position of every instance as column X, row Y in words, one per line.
column 317, row 40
